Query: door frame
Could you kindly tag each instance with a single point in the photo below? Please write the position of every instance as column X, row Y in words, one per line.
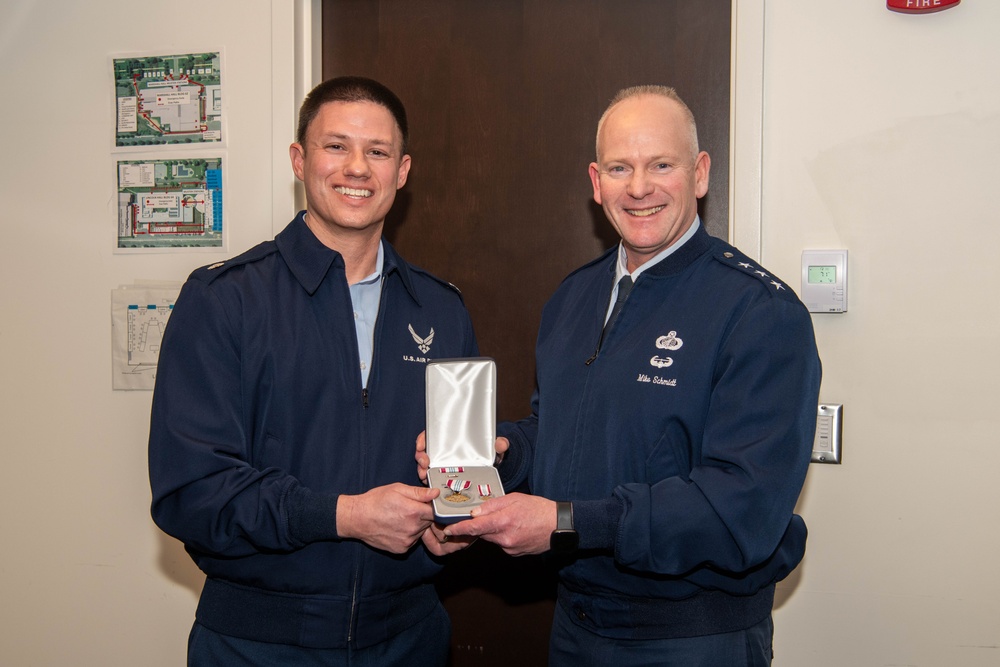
column 746, row 112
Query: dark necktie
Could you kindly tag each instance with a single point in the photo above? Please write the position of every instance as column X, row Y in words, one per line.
column 624, row 287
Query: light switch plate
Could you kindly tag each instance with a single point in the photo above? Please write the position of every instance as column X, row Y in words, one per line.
column 829, row 429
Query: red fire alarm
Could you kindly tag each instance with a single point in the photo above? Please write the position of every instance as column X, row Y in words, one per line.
column 920, row 6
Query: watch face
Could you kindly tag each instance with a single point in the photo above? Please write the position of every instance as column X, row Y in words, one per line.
column 564, row 540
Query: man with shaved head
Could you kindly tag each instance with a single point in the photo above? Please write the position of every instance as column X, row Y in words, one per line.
column 672, row 423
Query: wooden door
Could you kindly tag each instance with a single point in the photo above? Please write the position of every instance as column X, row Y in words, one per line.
column 503, row 99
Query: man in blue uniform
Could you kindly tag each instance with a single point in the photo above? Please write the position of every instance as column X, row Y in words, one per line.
column 677, row 384
column 290, row 387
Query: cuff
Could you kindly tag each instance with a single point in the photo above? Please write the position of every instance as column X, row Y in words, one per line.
column 312, row 517
column 596, row 522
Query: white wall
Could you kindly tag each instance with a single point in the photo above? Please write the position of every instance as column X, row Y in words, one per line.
column 880, row 135
column 86, row 577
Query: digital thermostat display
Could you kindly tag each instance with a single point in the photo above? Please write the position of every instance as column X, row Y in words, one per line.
column 824, row 280
column 822, row 274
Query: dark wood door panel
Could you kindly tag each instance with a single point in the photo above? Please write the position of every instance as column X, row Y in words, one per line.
column 503, row 98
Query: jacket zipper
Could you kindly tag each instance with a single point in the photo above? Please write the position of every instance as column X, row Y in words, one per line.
column 365, row 402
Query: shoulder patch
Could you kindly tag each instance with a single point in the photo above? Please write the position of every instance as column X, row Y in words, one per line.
column 736, row 260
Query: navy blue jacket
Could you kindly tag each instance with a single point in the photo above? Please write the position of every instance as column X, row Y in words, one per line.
column 259, row 423
column 683, row 441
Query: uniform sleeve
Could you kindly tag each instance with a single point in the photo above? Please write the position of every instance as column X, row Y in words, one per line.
column 516, row 464
column 205, row 491
column 734, row 507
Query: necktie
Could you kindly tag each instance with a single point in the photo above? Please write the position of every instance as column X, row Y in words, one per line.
column 624, row 287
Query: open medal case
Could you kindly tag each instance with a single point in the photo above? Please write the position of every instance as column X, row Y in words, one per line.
column 460, row 436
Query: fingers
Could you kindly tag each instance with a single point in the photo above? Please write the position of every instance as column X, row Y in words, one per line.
column 501, row 446
column 420, row 455
column 392, row 518
column 519, row 524
column 440, row 544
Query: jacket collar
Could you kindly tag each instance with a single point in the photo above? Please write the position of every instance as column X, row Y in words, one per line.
column 310, row 261
column 680, row 259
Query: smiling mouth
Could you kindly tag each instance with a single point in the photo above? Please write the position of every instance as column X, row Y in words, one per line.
column 644, row 212
column 353, row 192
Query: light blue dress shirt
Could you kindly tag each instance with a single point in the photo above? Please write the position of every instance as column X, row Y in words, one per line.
column 365, row 296
column 622, row 268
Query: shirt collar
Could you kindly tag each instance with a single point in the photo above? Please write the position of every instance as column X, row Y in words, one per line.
column 621, row 268
column 379, row 263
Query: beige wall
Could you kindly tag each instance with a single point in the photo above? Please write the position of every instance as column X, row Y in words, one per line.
column 86, row 578
column 880, row 134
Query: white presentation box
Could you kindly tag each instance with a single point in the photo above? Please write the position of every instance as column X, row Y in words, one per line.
column 461, row 432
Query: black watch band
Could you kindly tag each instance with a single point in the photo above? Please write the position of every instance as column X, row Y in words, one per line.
column 564, row 538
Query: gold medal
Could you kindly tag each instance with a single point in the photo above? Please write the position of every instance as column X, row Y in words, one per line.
column 457, row 498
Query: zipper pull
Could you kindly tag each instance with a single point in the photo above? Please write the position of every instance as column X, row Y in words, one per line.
column 364, row 397
column 592, row 357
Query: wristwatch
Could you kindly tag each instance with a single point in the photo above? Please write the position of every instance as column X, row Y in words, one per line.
column 564, row 538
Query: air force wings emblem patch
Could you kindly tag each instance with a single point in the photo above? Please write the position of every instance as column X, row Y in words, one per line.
column 423, row 344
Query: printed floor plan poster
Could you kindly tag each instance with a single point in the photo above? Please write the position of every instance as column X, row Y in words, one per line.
column 139, row 314
column 170, row 203
column 168, row 100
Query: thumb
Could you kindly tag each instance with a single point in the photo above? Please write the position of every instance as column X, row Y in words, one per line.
column 422, row 494
column 494, row 505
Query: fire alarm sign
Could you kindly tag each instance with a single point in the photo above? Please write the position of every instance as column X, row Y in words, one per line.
column 920, row 6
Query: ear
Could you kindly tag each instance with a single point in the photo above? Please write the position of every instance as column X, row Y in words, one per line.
column 298, row 156
column 404, row 171
column 595, row 180
column 701, row 168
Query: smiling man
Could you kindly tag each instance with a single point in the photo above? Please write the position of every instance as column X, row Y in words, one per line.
column 289, row 390
column 672, row 423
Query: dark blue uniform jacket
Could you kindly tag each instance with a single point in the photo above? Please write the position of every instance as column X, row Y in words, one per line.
column 259, row 423
column 684, row 441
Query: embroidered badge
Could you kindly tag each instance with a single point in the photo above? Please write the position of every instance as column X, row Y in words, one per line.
column 423, row 344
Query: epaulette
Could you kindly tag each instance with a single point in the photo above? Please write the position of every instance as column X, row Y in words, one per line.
column 440, row 281
column 736, row 260
column 212, row 271
column 597, row 260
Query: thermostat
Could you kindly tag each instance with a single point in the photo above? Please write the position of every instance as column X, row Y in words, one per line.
column 824, row 281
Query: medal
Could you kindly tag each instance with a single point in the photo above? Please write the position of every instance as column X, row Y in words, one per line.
column 484, row 491
column 457, row 486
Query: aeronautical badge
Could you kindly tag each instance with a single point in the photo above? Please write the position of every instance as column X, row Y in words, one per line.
column 669, row 342
column 661, row 362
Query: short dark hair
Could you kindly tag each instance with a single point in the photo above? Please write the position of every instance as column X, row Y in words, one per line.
column 351, row 89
